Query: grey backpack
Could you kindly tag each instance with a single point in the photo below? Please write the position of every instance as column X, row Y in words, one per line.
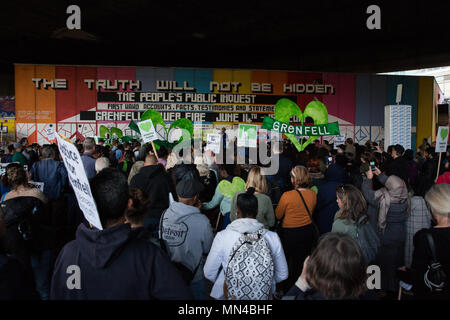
column 250, row 269
column 368, row 239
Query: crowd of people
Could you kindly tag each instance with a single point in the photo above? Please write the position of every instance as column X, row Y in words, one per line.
column 181, row 227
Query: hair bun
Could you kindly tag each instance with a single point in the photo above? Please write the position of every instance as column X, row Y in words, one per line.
column 250, row 191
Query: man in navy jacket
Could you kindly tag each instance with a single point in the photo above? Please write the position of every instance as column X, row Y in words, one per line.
column 51, row 172
column 114, row 263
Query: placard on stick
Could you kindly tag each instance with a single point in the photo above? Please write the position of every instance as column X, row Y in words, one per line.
column 147, row 130
column 442, row 139
column 79, row 181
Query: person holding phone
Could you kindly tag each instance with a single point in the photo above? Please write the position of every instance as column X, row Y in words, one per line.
column 389, row 208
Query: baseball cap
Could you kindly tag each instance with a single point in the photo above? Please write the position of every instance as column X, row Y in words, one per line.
column 189, row 188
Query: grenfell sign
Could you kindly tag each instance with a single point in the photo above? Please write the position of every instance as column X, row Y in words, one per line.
column 315, row 110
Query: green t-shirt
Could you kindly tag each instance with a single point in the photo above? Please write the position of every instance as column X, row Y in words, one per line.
column 19, row 157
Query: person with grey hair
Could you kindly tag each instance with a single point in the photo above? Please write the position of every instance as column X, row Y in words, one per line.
column 88, row 158
column 50, row 172
column 424, row 285
column 101, row 163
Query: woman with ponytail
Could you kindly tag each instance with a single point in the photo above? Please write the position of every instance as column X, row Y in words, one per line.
column 224, row 243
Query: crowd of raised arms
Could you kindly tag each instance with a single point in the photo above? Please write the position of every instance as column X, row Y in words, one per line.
column 180, row 228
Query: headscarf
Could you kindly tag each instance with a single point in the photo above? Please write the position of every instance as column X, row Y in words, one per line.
column 394, row 191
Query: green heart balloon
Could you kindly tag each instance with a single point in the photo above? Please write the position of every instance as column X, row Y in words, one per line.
column 113, row 131
column 319, row 113
column 286, row 108
column 229, row 189
column 186, row 127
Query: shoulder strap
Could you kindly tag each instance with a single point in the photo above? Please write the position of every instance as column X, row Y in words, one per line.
column 161, row 240
column 304, row 202
column 3, row 197
column 309, row 213
column 431, row 246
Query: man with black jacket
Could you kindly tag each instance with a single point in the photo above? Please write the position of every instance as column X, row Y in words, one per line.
column 398, row 166
column 428, row 172
column 114, row 263
column 154, row 182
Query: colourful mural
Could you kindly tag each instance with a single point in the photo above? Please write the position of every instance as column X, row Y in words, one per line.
column 79, row 99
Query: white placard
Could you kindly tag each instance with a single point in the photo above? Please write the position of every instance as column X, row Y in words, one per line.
column 338, row 140
column 50, row 133
column 442, row 139
column 79, row 181
column 213, row 142
column 147, row 130
column 247, row 135
column 39, row 185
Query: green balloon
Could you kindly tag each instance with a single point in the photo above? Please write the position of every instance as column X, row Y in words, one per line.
column 286, row 108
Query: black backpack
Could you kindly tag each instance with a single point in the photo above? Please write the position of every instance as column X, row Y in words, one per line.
column 435, row 278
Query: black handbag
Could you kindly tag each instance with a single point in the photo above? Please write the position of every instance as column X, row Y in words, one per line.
column 435, row 278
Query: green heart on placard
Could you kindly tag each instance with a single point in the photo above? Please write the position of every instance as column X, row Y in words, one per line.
column 286, row 108
column 229, row 189
column 145, row 126
column 444, row 133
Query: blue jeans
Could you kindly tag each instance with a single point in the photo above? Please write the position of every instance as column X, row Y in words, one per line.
column 42, row 264
column 198, row 289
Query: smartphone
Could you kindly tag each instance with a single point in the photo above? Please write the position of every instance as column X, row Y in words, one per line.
column 25, row 167
column 330, row 160
column 372, row 165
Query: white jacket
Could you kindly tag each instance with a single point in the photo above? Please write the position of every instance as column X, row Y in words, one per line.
column 223, row 244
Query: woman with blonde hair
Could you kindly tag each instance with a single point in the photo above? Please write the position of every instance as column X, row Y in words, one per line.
column 257, row 181
column 297, row 232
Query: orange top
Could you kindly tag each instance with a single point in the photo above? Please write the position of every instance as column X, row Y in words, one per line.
column 293, row 209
